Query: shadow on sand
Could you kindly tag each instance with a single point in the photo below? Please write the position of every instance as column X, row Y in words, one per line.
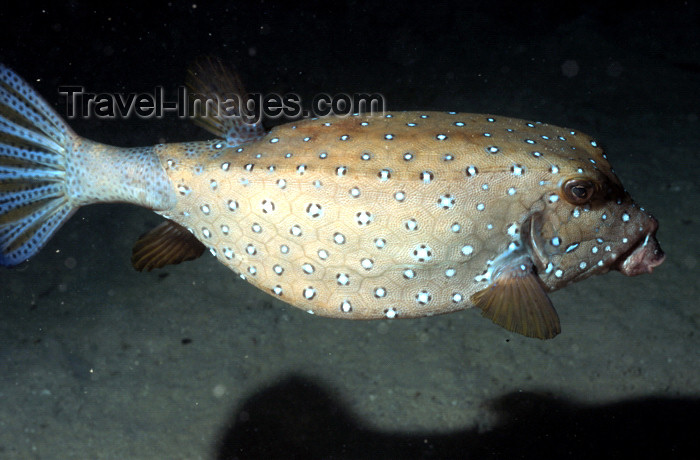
column 298, row 419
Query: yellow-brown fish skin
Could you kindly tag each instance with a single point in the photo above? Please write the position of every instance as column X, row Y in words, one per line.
column 401, row 215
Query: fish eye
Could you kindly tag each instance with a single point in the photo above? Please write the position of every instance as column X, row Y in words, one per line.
column 578, row 191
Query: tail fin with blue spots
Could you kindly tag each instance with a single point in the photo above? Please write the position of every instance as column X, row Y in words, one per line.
column 34, row 141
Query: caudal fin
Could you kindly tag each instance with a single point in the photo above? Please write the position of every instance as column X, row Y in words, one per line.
column 34, row 142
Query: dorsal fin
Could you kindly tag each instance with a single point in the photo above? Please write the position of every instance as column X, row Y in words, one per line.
column 517, row 301
column 167, row 244
column 218, row 99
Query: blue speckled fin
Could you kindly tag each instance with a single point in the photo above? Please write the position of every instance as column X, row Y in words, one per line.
column 517, row 301
column 217, row 91
column 33, row 144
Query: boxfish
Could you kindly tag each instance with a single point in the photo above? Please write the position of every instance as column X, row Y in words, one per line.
column 365, row 216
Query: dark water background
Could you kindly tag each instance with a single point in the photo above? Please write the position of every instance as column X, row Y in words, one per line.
column 98, row 361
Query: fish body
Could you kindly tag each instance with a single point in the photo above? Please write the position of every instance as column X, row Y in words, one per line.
column 407, row 214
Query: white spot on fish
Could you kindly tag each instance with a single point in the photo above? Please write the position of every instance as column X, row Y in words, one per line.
column 446, row 201
column 309, row 293
column 411, row 225
column 314, row 210
column 422, row 253
column 513, row 230
column 267, row 206
column 363, row 218
column 308, row 268
column 424, row 297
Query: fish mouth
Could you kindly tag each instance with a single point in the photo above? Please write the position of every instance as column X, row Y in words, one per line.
column 643, row 257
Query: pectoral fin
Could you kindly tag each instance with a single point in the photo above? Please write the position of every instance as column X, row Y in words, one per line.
column 168, row 243
column 517, row 301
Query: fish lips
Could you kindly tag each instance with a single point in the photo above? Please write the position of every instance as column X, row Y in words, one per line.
column 644, row 256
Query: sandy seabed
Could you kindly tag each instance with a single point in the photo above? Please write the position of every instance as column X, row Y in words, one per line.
column 98, row 361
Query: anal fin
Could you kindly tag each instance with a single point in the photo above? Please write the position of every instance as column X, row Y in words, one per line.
column 167, row 244
column 517, row 301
